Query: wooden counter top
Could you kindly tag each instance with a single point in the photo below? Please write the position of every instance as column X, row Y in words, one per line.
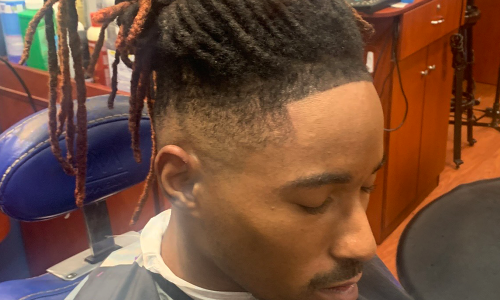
column 392, row 12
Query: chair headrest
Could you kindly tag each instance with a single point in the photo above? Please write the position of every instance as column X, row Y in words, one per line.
column 33, row 185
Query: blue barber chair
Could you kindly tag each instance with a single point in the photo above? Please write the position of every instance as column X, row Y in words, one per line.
column 33, row 187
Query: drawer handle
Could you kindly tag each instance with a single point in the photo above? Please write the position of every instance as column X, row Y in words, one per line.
column 425, row 73
column 433, row 67
column 437, row 22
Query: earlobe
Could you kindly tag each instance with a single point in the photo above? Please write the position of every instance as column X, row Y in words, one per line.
column 177, row 174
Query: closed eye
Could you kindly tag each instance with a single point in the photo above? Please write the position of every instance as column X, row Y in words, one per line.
column 322, row 208
column 318, row 209
column 368, row 189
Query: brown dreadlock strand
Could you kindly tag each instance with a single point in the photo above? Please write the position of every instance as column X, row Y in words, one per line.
column 158, row 203
column 151, row 182
column 139, row 89
column 67, row 27
column 67, row 21
column 366, row 28
column 140, row 80
column 65, row 115
column 97, row 49
column 30, row 32
column 142, row 69
column 114, row 80
column 137, row 93
column 121, row 40
column 124, row 52
column 139, row 20
column 52, row 109
column 52, row 64
column 134, row 110
column 66, row 112
column 108, row 14
column 53, row 91
column 81, row 97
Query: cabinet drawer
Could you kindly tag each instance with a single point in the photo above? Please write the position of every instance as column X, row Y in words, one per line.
column 427, row 23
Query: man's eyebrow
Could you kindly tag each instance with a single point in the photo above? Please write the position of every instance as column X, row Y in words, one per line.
column 317, row 180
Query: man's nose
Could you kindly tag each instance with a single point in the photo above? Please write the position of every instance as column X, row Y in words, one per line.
column 356, row 240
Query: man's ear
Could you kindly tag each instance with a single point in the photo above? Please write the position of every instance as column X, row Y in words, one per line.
column 177, row 173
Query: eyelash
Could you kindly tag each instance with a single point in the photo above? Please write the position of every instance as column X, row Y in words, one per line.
column 369, row 189
column 320, row 209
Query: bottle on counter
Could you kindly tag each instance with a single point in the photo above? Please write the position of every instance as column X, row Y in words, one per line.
column 82, row 33
column 101, row 73
column 85, row 52
column 80, row 10
column 124, row 74
column 38, row 57
column 91, row 6
column 9, row 10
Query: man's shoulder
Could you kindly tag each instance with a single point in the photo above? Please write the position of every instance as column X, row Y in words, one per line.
column 121, row 276
column 378, row 283
column 119, row 282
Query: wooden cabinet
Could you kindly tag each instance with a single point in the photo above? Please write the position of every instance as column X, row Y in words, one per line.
column 428, row 23
column 435, row 114
column 415, row 152
column 404, row 143
column 486, row 37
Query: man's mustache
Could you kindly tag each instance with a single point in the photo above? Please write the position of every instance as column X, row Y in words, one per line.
column 346, row 270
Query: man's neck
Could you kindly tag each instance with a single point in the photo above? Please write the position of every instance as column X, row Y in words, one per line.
column 184, row 259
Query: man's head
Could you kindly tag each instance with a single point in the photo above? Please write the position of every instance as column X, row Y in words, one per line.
column 269, row 134
column 290, row 220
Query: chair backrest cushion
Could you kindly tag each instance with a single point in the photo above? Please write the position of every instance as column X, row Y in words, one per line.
column 33, row 185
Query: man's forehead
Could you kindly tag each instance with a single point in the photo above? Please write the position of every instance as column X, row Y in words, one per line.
column 342, row 116
column 332, row 128
column 338, row 100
